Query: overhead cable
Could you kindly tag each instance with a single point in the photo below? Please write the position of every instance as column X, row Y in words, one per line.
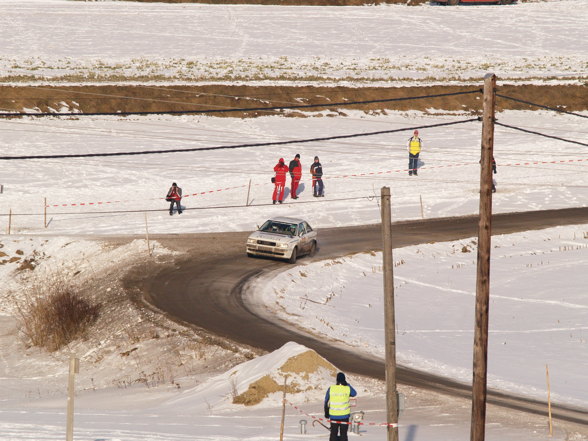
column 236, row 146
column 555, row 109
column 241, row 109
column 540, row 134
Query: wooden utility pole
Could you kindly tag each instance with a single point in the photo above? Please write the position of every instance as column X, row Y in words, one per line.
column 480, row 369
column 389, row 320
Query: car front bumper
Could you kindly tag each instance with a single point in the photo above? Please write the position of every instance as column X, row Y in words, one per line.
column 259, row 249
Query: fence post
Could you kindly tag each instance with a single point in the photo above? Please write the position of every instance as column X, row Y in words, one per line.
column 549, row 400
column 45, row 214
column 9, row 220
column 283, row 410
column 147, row 235
column 74, row 368
column 248, row 191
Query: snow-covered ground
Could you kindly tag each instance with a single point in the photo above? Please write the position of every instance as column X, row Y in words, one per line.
column 537, row 311
column 91, row 195
column 113, row 41
column 538, row 279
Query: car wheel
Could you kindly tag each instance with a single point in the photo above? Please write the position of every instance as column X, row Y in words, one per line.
column 294, row 255
column 312, row 251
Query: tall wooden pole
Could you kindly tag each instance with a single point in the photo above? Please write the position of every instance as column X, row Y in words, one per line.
column 480, row 369
column 45, row 214
column 389, row 320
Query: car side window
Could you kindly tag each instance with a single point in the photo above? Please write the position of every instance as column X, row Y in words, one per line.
column 308, row 227
column 301, row 229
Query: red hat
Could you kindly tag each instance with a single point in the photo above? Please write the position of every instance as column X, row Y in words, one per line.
column 281, row 160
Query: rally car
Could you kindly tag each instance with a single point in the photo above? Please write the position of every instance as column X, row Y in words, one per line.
column 283, row 238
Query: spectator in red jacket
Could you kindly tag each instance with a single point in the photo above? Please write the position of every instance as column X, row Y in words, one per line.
column 174, row 196
column 281, row 170
column 296, row 174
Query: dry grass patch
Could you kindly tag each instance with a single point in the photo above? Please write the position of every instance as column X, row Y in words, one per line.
column 53, row 315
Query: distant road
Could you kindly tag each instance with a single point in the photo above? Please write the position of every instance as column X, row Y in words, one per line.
column 206, row 289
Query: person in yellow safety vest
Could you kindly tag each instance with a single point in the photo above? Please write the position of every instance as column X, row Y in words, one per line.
column 414, row 148
column 337, row 408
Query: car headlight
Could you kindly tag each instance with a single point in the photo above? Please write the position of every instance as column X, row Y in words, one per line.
column 282, row 245
column 251, row 241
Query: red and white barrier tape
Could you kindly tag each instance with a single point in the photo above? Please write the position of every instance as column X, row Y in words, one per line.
column 86, row 204
column 355, row 175
column 327, row 420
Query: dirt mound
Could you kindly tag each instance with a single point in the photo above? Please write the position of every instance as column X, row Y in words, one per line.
column 302, row 373
column 113, row 98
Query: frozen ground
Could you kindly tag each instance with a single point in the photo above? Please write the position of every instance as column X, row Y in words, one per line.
column 388, row 44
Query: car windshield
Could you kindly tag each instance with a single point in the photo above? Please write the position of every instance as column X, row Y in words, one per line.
column 279, row 228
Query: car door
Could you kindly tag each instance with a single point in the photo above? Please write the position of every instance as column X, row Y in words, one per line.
column 304, row 243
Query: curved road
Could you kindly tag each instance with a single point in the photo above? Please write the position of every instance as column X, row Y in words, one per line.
column 207, row 289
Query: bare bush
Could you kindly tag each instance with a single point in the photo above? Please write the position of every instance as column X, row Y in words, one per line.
column 54, row 314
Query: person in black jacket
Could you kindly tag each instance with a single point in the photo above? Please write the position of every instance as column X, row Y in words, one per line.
column 316, row 171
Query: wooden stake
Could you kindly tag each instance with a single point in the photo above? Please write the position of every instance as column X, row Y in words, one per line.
column 45, row 214
column 480, row 368
column 549, row 401
column 283, row 411
column 248, row 191
column 389, row 316
column 74, row 368
column 147, row 235
column 9, row 220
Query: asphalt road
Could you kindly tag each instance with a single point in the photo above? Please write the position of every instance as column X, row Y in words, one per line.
column 208, row 289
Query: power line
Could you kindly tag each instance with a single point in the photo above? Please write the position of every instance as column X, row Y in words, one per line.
column 537, row 133
column 555, row 109
column 242, row 109
column 237, row 146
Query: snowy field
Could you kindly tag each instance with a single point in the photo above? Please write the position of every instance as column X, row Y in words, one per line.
column 117, row 41
column 91, row 195
column 538, row 279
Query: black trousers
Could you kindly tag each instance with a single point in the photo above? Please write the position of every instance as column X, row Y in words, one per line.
column 171, row 206
column 339, row 431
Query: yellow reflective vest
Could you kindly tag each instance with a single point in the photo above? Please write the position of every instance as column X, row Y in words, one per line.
column 339, row 400
column 414, row 145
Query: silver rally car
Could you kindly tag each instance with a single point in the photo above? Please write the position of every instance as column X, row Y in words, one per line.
column 284, row 238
